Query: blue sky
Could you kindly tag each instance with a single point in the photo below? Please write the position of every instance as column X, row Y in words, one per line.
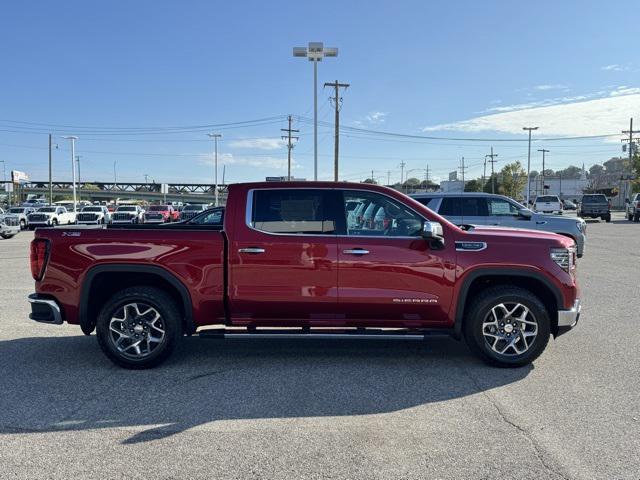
column 467, row 69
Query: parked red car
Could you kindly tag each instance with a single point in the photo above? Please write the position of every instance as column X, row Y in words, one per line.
column 161, row 214
column 291, row 259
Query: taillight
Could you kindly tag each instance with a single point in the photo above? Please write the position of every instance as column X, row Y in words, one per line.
column 39, row 257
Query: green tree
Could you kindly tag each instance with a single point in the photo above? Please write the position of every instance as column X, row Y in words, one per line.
column 514, row 179
column 370, row 180
column 493, row 184
column 473, row 186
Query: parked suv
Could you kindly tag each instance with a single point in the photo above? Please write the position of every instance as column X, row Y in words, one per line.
column 191, row 210
column 127, row 214
column 633, row 208
column 595, row 205
column 94, row 215
column 547, row 204
column 51, row 216
column 498, row 210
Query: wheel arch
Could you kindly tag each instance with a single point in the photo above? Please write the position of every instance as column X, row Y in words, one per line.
column 478, row 280
column 103, row 281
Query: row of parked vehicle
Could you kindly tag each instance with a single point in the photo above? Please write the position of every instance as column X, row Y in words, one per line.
column 32, row 217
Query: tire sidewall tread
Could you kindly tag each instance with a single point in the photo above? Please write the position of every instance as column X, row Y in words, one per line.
column 158, row 299
column 480, row 307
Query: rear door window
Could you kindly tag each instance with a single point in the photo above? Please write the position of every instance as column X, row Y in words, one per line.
column 290, row 211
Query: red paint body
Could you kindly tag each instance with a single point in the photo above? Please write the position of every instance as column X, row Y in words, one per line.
column 304, row 280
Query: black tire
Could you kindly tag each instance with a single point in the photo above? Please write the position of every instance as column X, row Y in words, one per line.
column 636, row 217
column 23, row 224
column 630, row 217
column 480, row 308
column 170, row 318
column 607, row 218
column 54, row 223
column 6, row 237
column 31, row 227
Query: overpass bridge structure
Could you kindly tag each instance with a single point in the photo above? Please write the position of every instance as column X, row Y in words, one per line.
column 151, row 192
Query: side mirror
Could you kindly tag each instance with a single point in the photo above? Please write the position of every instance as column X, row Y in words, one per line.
column 525, row 212
column 432, row 232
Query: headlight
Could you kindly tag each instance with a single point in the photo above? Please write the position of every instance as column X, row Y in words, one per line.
column 565, row 258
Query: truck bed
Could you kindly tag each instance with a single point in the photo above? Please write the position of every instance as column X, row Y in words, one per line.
column 83, row 258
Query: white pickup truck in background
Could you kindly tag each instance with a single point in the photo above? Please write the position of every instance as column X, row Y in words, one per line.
column 50, row 217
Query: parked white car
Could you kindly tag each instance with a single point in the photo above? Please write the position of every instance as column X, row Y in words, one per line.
column 23, row 214
column 9, row 224
column 51, row 216
column 94, row 215
column 547, row 204
column 127, row 214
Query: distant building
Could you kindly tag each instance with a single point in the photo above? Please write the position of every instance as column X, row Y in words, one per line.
column 452, row 186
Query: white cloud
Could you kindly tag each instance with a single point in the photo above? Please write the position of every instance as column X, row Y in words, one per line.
column 258, row 143
column 376, row 117
column 266, row 162
column 546, row 87
column 581, row 115
column 614, row 67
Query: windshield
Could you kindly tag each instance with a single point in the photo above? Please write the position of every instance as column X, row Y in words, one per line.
column 126, row 209
column 92, row 209
column 208, row 217
column 16, row 210
column 47, row 209
column 158, row 208
column 594, row 199
column 192, row 208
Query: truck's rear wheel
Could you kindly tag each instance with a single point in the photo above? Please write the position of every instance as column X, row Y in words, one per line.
column 139, row 327
column 507, row 326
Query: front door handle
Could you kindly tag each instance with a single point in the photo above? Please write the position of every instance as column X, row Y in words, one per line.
column 252, row 250
column 356, row 251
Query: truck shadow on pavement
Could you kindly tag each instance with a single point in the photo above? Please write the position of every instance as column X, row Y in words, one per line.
column 65, row 383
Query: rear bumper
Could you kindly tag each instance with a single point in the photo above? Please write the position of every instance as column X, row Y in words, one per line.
column 567, row 319
column 44, row 310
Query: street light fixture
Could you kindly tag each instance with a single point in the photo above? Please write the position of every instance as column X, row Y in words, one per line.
column 73, row 169
column 315, row 52
column 215, row 137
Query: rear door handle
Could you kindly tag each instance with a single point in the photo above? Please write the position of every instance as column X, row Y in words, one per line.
column 253, row 250
column 356, row 251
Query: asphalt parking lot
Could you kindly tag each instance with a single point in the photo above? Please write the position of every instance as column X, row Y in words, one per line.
column 341, row 409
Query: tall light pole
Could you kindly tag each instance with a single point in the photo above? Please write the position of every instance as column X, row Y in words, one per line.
column 529, row 163
column 115, row 176
column 215, row 137
column 315, row 52
column 543, row 150
column 73, row 168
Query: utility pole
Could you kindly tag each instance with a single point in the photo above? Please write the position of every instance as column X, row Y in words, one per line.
column 288, row 137
column 631, row 132
column 543, row 157
column 530, row 129
column 79, row 181
column 492, row 156
column 50, row 180
column 402, row 165
column 73, row 170
column 462, row 169
column 115, row 177
column 388, row 177
column 484, row 173
column 337, row 103
column 372, row 180
column 215, row 137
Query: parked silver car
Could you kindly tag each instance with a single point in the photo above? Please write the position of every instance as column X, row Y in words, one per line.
column 632, row 208
column 489, row 209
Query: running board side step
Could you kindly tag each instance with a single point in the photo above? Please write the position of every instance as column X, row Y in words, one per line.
column 323, row 334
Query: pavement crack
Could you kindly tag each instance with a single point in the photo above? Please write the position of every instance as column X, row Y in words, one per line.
column 537, row 448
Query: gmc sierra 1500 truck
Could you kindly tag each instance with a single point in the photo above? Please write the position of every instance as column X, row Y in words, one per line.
column 294, row 260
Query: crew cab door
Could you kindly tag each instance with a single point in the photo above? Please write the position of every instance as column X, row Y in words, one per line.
column 283, row 258
column 388, row 275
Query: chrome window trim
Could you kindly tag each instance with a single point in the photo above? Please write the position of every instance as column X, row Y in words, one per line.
column 249, row 213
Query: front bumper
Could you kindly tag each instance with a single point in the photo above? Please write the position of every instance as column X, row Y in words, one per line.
column 44, row 310
column 567, row 319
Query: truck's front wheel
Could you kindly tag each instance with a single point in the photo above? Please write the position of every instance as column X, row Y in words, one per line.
column 139, row 327
column 507, row 326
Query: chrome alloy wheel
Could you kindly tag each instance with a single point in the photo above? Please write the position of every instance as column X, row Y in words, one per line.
column 510, row 329
column 136, row 330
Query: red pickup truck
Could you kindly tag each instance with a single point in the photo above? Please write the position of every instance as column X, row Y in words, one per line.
column 307, row 260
